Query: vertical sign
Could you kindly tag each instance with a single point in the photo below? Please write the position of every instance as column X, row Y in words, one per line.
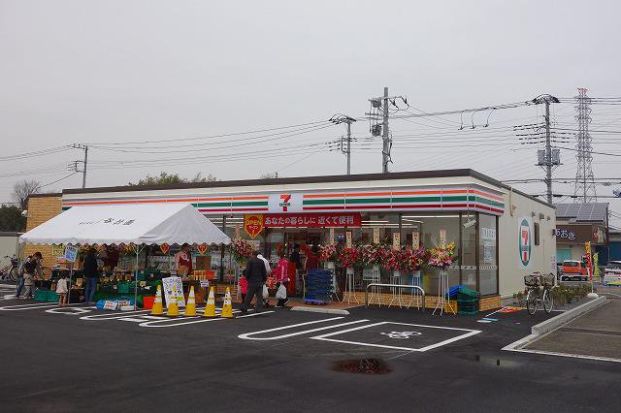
column 442, row 237
column 524, row 241
column 331, row 241
column 415, row 240
column 396, row 241
column 376, row 237
column 348, row 241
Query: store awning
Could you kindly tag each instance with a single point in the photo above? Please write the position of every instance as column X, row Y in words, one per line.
column 171, row 223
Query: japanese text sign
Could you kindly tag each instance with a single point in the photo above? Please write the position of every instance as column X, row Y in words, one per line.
column 334, row 220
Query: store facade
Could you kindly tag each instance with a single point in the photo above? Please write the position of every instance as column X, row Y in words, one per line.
column 500, row 234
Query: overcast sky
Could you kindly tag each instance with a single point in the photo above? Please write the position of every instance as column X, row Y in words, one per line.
column 108, row 72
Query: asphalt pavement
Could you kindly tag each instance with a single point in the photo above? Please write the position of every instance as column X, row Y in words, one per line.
column 77, row 359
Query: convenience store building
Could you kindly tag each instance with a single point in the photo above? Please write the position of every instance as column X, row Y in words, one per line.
column 501, row 234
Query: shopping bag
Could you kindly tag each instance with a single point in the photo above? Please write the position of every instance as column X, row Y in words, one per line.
column 281, row 293
column 266, row 292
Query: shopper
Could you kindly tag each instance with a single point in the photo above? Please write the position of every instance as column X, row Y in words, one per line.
column 243, row 285
column 31, row 267
column 281, row 272
column 90, row 271
column 256, row 275
column 268, row 267
column 183, row 260
column 62, row 289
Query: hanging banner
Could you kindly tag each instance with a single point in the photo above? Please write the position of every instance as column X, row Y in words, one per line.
column 396, row 241
column 202, row 248
column 348, row 239
column 331, row 237
column 589, row 259
column 415, row 240
column 174, row 285
column 253, row 224
column 164, row 248
column 376, row 235
column 334, row 220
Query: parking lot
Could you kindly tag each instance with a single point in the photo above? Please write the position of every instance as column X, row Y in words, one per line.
column 77, row 357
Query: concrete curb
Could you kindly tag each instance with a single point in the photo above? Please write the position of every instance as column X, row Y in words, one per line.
column 555, row 323
column 320, row 310
column 560, row 320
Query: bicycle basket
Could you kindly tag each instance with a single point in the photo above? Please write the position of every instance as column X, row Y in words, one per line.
column 547, row 280
column 532, row 280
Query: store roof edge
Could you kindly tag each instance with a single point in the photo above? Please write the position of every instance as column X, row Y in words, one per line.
column 444, row 173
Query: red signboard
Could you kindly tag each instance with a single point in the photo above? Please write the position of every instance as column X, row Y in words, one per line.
column 333, row 220
column 253, row 224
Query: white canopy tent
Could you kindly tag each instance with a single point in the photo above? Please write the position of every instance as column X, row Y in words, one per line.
column 140, row 224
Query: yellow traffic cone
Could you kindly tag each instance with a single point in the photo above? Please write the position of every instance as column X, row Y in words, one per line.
column 172, row 306
column 157, row 303
column 190, row 307
column 210, row 308
column 227, row 307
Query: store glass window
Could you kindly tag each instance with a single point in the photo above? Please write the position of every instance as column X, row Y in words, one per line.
column 488, row 265
column 431, row 231
column 468, row 253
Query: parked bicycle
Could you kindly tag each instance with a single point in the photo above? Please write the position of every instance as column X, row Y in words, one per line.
column 10, row 271
column 539, row 290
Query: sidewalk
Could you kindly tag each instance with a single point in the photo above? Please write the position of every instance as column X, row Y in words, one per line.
column 596, row 334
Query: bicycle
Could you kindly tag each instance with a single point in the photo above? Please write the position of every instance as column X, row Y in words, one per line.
column 10, row 272
column 539, row 289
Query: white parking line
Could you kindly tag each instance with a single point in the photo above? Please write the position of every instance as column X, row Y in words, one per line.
column 32, row 306
column 468, row 333
column 182, row 322
column 249, row 336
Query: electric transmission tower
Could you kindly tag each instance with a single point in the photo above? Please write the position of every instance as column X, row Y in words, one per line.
column 584, row 188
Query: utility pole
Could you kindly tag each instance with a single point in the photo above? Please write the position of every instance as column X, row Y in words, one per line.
column 381, row 104
column 346, row 149
column 386, row 143
column 73, row 166
column 548, row 157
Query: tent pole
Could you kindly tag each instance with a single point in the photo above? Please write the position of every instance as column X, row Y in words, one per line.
column 70, row 282
column 136, row 280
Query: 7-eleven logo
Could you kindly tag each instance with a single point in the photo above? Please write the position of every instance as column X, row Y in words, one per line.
column 285, row 202
column 525, row 242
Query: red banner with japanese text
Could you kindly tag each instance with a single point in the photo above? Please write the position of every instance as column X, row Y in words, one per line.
column 328, row 220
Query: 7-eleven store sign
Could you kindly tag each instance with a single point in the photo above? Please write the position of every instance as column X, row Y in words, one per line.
column 285, row 203
column 525, row 241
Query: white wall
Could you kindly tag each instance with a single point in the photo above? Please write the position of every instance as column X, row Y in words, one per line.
column 8, row 245
column 511, row 270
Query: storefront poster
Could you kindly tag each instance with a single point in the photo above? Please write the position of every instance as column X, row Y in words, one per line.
column 174, row 285
column 71, row 253
column 488, row 252
column 253, row 224
column 58, row 251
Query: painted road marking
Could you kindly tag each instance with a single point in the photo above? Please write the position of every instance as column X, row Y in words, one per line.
column 249, row 336
column 33, row 306
column 568, row 355
column 467, row 333
column 70, row 310
column 182, row 322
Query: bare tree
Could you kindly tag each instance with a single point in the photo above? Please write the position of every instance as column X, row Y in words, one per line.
column 23, row 189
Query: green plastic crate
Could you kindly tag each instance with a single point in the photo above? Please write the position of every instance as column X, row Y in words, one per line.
column 40, row 295
column 468, row 292
column 52, row 296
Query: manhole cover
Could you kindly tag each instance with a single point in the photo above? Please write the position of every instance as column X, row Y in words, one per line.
column 362, row 366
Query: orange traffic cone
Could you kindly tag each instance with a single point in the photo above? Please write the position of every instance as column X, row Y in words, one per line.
column 157, row 303
column 210, row 308
column 190, row 307
column 227, row 307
